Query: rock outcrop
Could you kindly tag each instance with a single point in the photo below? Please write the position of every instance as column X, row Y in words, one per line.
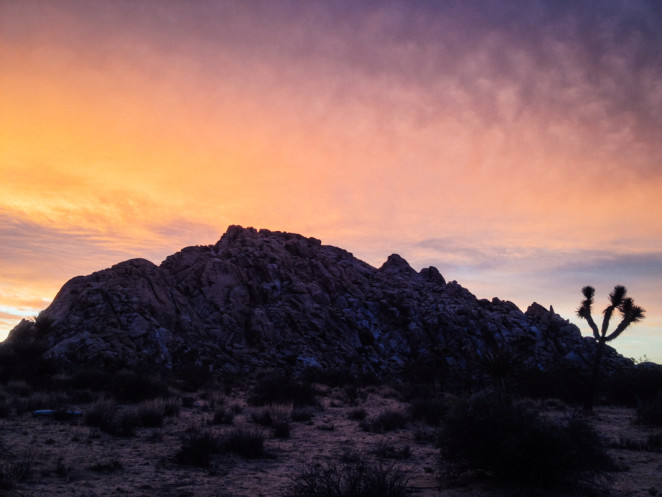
column 263, row 299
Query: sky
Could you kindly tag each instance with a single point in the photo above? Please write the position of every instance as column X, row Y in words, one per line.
column 514, row 145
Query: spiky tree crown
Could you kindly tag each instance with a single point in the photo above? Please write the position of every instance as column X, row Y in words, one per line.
column 630, row 312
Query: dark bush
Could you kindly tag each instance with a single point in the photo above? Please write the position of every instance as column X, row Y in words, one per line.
column 106, row 416
column 491, row 434
column 427, row 410
column 223, row 416
column 129, row 386
column 23, row 360
column 303, row 413
column 358, row 414
column 570, row 384
column 151, row 413
column 5, row 407
column 93, row 379
column 197, row 448
column 246, row 443
column 388, row 420
column 348, row 479
column 388, row 451
column 275, row 416
column 633, row 385
column 281, row 389
column 649, row 411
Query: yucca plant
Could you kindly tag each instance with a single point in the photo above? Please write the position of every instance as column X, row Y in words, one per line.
column 630, row 313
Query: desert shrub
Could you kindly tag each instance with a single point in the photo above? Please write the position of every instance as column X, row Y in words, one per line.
column 427, row 410
column 15, row 467
column 214, row 398
column 248, row 443
column 197, row 447
column 93, row 379
column 389, row 451
column 305, row 413
column 281, row 389
column 151, row 413
column 491, row 434
column 5, row 407
column 275, row 416
column 171, row 406
column 223, row 416
column 348, row 479
column 387, row 420
column 129, row 386
column 99, row 413
column 564, row 382
column 338, row 377
column 633, row 385
column 21, row 388
column 650, row 411
column 106, row 416
column 41, row 400
column 23, row 360
column 358, row 414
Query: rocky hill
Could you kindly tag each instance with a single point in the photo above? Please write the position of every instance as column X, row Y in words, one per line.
column 262, row 299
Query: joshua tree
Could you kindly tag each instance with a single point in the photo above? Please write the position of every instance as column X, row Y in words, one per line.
column 630, row 312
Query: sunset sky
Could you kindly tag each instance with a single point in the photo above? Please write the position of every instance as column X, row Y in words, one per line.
column 514, row 145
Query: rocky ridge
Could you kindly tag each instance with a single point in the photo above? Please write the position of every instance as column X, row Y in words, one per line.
column 262, row 299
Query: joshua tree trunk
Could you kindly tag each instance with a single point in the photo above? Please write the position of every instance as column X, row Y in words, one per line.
column 630, row 313
column 593, row 385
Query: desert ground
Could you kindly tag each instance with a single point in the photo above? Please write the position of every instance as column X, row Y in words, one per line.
column 65, row 456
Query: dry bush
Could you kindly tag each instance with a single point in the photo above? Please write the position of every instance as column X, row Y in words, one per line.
column 649, row 411
column 276, row 416
column 348, row 479
column 151, row 413
column 281, row 389
column 491, row 434
column 106, row 416
column 388, row 420
column 248, row 443
column 197, row 447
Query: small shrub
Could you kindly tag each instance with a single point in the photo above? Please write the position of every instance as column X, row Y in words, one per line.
column 358, row 414
column 348, row 479
column 151, row 413
column 491, row 434
column 100, row 414
column 5, row 407
column 302, row 413
column 429, row 411
column 649, row 411
column 15, row 467
column 246, row 443
column 197, row 448
column 93, row 379
column 223, row 416
column 388, row 420
column 129, row 386
column 171, row 406
column 214, row 398
column 281, row 389
column 388, row 451
column 275, row 416
column 108, row 418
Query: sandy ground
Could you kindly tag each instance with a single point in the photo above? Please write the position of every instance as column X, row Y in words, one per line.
column 68, row 458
